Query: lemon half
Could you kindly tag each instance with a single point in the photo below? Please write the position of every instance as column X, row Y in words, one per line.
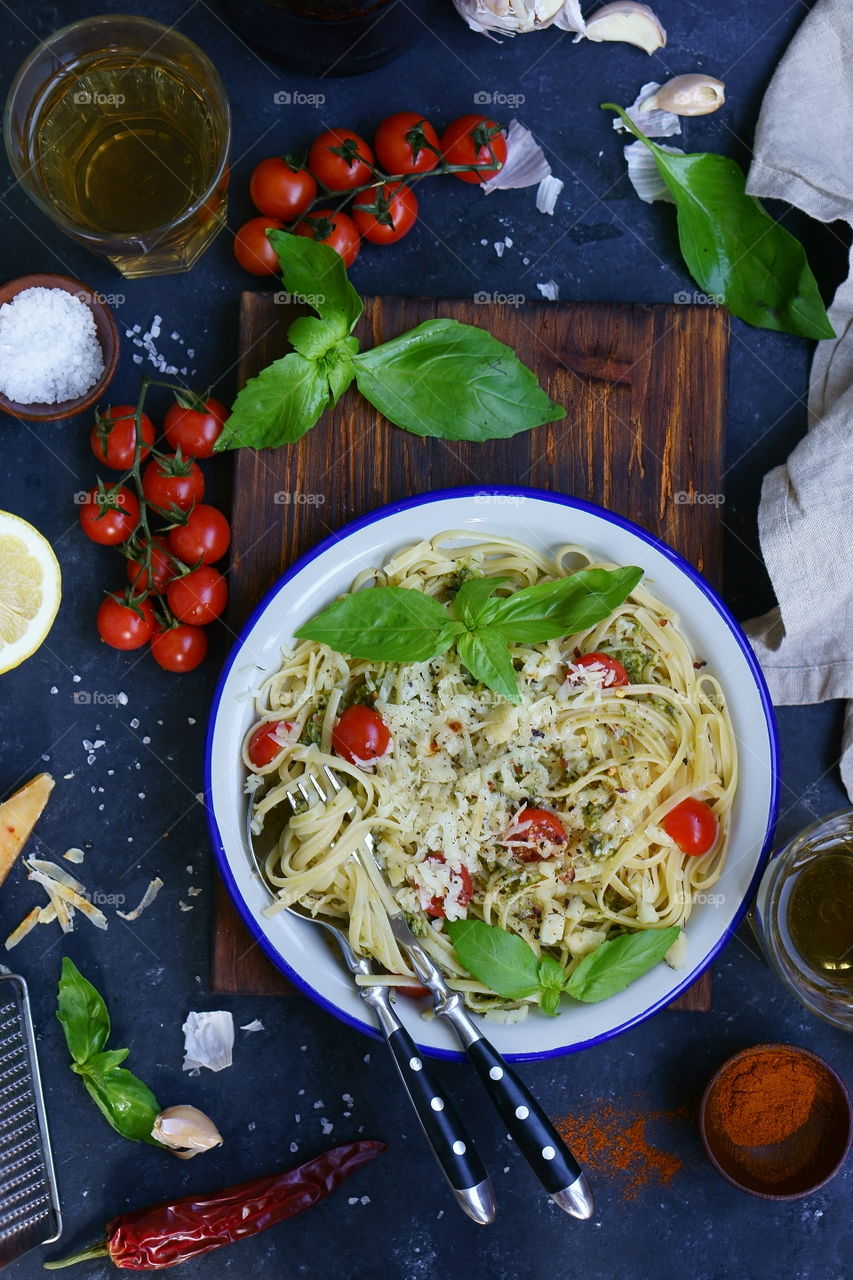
column 30, row 589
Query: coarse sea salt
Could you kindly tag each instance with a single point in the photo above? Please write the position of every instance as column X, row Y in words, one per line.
column 49, row 348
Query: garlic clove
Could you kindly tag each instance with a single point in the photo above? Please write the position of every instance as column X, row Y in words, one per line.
column 631, row 23
column 186, row 1131
column 690, row 95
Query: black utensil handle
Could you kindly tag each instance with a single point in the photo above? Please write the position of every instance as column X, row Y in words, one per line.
column 540, row 1144
column 446, row 1134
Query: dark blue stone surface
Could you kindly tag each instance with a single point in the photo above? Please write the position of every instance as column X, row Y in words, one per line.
column 135, row 808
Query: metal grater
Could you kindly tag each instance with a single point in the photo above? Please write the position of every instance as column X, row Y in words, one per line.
column 29, row 1203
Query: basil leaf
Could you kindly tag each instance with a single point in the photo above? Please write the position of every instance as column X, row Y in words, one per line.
column 551, row 972
column 278, row 406
column 455, row 381
column 384, row 624
column 549, row 1001
column 125, row 1101
column 551, row 610
column 313, row 338
column 471, row 597
column 315, row 273
column 616, row 964
column 101, row 1062
column 733, row 249
column 500, row 960
column 487, row 657
column 338, row 368
column 82, row 1012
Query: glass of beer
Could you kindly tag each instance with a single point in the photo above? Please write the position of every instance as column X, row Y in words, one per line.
column 118, row 128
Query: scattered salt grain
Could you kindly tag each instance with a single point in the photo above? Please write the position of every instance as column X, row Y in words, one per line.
column 185, row 906
column 499, row 248
column 76, row 679
column 326, row 1126
column 549, row 289
column 74, row 855
column 134, row 724
column 365, row 1199
column 193, row 893
column 318, row 1106
column 53, row 689
column 352, row 1200
column 294, row 1147
column 121, row 699
column 49, row 348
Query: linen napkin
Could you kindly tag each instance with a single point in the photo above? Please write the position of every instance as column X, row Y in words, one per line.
column 804, row 155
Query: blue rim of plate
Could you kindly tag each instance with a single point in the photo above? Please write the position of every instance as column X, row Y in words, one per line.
column 558, row 499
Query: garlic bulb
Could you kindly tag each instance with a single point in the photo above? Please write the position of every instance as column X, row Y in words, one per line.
column 186, row 1131
column 690, row 95
column 509, row 17
column 632, row 23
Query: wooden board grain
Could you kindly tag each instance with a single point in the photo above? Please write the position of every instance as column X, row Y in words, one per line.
column 644, row 388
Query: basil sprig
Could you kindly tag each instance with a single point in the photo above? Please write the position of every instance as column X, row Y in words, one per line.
column 733, row 249
column 442, row 378
column 509, row 966
column 126, row 1102
column 400, row 624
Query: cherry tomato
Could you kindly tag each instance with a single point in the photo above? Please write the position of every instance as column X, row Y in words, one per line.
column 180, row 648
column 692, row 825
column 113, row 437
column 466, row 889
column 538, row 828
column 280, row 190
column 268, row 741
column 340, row 160
column 194, row 429
column 474, row 140
column 109, row 517
column 611, row 669
column 203, row 539
column 199, row 597
column 394, row 201
column 413, row 992
column 169, row 481
column 122, row 626
column 335, row 229
column 253, row 250
column 406, row 143
column 162, row 568
column 361, row 735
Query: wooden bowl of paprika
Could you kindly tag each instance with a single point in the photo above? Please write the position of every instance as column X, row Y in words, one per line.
column 776, row 1121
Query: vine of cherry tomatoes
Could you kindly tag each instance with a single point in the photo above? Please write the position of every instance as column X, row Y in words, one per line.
column 173, row 591
column 309, row 195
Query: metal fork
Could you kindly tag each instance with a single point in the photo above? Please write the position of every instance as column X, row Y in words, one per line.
column 447, row 1136
column 539, row 1142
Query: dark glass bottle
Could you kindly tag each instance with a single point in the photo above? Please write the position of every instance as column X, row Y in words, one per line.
column 331, row 37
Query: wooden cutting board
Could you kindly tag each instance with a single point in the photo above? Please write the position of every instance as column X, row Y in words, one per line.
column 644, row 388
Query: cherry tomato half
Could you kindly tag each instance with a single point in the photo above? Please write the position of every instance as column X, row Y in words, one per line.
column 203, row 539
column 335, row 229
column 464, row 896
column 611, row 669
column 390, row 215
column 539, row 829
column 180, row 648
column 474, row 140
column 693, row 826
column 406, row 143
column 340, row 160
column 162, row 568
column 122, row 626
column 109, row 517
column 253, row 250
column 199, row 597
column 169, row 481
column 195, row 430
column 268, row 741
column 113, row 437
column 281, row 191
column 361, row 735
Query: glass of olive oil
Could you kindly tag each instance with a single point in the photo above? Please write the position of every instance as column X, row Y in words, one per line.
column 803, row 916
column 118, row 128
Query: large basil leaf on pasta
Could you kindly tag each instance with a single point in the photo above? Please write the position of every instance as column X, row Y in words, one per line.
column 470, row 599
column 551, row 610
column 501, row 961
column 617, row 963
column 487, row 657
column 384, row 624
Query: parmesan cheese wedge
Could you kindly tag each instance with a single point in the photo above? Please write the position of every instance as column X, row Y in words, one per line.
column 18, row 815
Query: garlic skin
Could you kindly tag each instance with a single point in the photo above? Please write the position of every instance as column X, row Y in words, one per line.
column 508, row 17
column 690, row 95
column 631, row 23
column 186, row 1131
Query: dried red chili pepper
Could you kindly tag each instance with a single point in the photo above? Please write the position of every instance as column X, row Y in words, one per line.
column 165, row 1234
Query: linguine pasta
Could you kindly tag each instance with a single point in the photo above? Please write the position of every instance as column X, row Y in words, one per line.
column 446, row 805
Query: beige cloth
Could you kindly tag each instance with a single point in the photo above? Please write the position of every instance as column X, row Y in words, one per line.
column 804, row 155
